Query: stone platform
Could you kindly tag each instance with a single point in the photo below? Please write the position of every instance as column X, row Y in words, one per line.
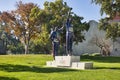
column 82, row 65
column 69, row 62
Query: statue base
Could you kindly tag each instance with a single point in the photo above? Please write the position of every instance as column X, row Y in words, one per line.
column 69, row 62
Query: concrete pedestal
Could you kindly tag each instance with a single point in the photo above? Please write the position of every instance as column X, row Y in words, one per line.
column 66, row 60
column 51, row 64
column 70, row 62
column 82, row 65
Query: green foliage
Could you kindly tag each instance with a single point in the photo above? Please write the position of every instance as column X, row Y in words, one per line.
column 2, row 41
column 16, row 49
column 42, row 38
column 42, row 41
column 79, row 27
column 112, row 29
column 110, row 7
column 24, row 22
column 30, row 24
column 59, row 12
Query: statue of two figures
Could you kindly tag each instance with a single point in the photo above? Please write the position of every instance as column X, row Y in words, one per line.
column 55, row 38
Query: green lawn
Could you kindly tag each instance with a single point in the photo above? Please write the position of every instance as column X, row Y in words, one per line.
column 31, row 67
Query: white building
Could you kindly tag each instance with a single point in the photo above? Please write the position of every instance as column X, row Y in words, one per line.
column 93, row 35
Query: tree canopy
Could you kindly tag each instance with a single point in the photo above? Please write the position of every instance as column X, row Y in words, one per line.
column 23, row 22
column 30, row 23
column 110, row 24
column 110, row 7
column 59, row 11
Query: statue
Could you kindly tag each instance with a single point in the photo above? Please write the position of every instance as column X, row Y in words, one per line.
column 55, row 38
column 69, row 36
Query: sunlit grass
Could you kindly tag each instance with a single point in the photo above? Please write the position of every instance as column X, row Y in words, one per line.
column 32, row 67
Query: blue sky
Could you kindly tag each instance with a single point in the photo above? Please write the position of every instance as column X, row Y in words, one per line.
column 82, row 8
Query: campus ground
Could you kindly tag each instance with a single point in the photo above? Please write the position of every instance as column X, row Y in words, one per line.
column 32, row 67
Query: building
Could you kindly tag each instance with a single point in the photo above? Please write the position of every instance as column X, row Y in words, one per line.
column 94, row 36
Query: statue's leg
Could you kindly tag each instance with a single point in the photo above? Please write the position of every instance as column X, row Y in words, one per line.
column 67, row 43
column 71, row 46
column 56, row 48
column 53, row 50
column 70, row 43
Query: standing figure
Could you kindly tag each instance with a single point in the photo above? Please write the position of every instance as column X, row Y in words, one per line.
column 69, row 36
column 54, row 36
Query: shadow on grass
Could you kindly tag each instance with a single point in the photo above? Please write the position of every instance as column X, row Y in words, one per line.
column 101, row 59
column 114, row 68
column 8, row 78
column 23, row 68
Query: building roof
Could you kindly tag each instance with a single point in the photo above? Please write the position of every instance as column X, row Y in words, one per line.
column 117, row 17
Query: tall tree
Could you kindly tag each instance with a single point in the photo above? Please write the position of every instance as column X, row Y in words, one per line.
column 112, row 29
column 111, row 26
column 24, row 22
column 42, row 40
column 60, row 11
column 3, row 40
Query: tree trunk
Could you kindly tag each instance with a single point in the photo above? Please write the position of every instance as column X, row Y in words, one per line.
column 26, row 49
column 113, row 45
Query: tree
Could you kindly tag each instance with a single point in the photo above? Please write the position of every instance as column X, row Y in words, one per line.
column 28, row 20
column 102, row 44
column 24, row 22
column 110, row 7
column 112, row 29
column 42, row 41
column 3, row 40
column 79, row 27
column 59, row 11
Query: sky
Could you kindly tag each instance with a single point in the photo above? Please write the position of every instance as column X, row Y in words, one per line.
column 82, row 8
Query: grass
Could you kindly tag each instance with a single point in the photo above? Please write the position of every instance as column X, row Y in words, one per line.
column 31, row 67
